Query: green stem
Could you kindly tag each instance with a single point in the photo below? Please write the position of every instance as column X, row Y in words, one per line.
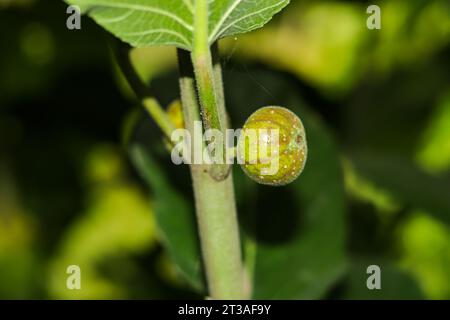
column 160, row 116
column 215, row 207
column 213, row 110
column 143, row 92
column 218, row 79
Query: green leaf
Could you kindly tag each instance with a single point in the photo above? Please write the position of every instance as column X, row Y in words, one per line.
column 175, row 216
column 406, row 181
column 171, row 22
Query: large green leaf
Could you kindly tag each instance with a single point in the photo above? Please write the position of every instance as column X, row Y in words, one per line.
column 170, row 22
column 174, row 215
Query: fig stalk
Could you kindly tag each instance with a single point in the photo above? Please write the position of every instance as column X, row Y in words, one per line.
column 213, row 110
column 215, row 208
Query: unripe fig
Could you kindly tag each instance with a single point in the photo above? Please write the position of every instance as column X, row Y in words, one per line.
column 272, row 148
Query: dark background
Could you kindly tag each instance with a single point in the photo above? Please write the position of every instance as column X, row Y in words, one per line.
column 376, row 105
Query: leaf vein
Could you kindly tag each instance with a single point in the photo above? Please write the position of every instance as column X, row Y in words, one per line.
column 116, row 19
column 245, row 17
column 189, row 5
column 220, row 23
column 174, row 33
column 138, row 7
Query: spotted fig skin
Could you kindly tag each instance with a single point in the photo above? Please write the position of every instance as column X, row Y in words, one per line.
column 292, row 146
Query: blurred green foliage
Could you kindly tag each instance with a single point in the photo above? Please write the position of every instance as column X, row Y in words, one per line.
column 425, row 244
column 377, row 109
column 117, row 222
column 434, row 152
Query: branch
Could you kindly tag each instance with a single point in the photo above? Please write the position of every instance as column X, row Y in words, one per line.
column 143, row 92
column 215, row 208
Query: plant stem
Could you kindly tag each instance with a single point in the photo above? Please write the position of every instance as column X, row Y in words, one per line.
column 160, row 116
column 219, row 85
column 215, row 207
column 202, row 61
column 142, row 91
column 213, row 111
